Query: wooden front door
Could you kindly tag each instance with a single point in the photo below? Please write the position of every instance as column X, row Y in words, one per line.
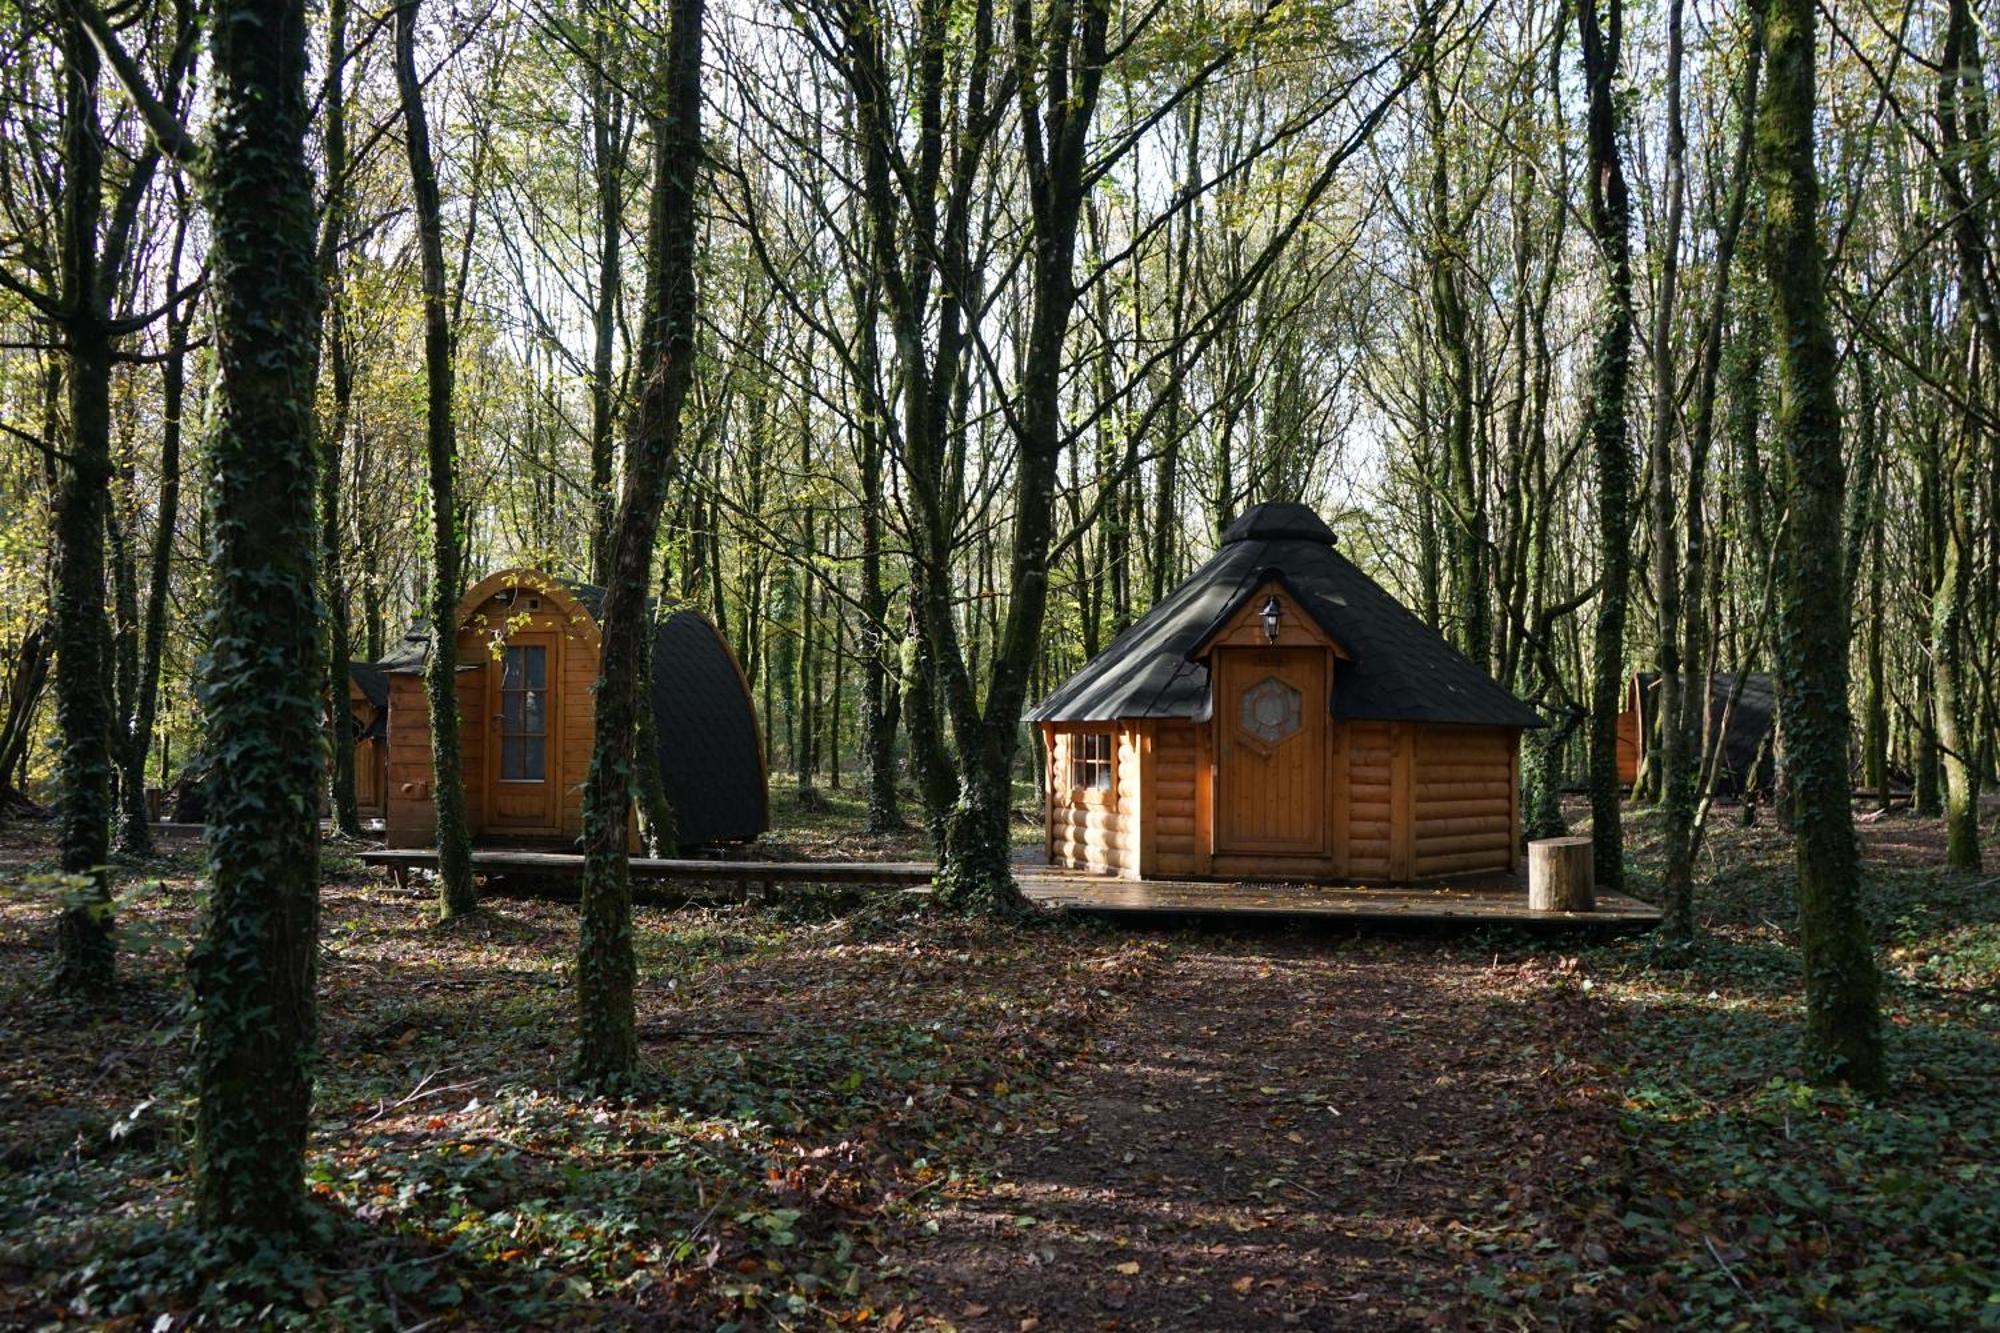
column 1270, row 721
column 521, row 762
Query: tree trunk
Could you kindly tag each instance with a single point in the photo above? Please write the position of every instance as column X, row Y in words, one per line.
column 1843, row 1025
column 1677, row 796
column 255, row 968
column 333, row 431
column 607, row 1042
column 1057, row 86
column 1444, row 264
column 1949, row 612
column 456, row 896
column 1610, row 375
column 878, row 731
column 1960, row 118
column 608, row 148
column 86, row 947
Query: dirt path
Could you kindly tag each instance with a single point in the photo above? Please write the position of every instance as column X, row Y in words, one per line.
column 1276, row 1133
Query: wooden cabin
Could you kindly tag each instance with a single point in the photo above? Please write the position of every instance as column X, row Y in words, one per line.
column 1746, row 759
column 527, row 648
column 1281, row 716
column 368, row 706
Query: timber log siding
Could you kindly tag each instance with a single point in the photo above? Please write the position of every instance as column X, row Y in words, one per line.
column 1405, row 801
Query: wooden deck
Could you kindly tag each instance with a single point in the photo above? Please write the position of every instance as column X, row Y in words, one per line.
column 399, row 861
column 1499, row 902
column 1493, row 901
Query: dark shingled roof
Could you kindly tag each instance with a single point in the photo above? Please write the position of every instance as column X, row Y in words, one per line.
column 1745, row 760
column 711, row 756
column 1402, row 669
column 710, row 752
column 373, row 680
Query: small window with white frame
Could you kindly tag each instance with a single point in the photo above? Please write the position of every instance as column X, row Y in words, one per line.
column 1090, row 761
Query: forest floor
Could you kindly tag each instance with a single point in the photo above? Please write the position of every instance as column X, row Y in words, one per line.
column 862, row 1116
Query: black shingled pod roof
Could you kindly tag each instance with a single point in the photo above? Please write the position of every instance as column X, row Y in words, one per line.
column 1401, row 670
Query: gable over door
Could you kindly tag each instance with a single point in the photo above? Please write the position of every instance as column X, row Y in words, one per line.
column 1270, row 738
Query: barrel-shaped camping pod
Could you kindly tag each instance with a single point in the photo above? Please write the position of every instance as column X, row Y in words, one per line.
column 1281, row 716
column 527, row 647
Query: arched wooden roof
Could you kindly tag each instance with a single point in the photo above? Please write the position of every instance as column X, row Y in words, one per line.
column 566, row 597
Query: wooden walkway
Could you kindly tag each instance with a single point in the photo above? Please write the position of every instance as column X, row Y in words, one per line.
column 399, row 861
column 1503, row 901
column 1494, row 903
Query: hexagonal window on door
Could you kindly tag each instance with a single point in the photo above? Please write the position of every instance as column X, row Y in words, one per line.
column 1272, row 710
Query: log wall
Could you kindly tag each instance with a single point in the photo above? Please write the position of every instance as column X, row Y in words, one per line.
column 1093, row 829
column 1176, row 850
column 1370, row 755
column 1406, row 801
column 1464, row 808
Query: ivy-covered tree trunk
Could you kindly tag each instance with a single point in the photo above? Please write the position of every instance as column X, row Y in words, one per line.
column 135, row 836
column 1961, row 119
column 455, row 892
column 1843, row 1025
column 1542, row 776
column 1682, row 700
column 255, row 967
column 86, row 949
column 333, row 431
column 878, row 731
column 1952, row 688
column 1868, row 545
column 1610, row 378
column 610, row 142
column 1465, row 501
column 607, row 1043
column 1058, row 74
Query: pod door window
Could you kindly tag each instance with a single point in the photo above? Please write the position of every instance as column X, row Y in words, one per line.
column 524, row 713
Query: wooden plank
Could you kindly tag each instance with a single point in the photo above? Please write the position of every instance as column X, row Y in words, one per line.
column 1341, row 814
column 570, row 865
column 1204, row 797
column 1049, row 740
column 1433, row 828
column 1402, row 819
column 1514, row 801
column 1076, row 892
column 1461, row 789
column 1464, row 863
column 1495, row 838
column 1096, row 819
column 1496, row 808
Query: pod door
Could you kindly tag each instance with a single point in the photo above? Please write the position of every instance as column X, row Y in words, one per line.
column 521, row 758
column 1270, row 735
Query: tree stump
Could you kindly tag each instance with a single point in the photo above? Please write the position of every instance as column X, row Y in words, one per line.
column 1561, row 875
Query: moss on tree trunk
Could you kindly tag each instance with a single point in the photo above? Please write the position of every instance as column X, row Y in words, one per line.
column 1843, row 1026
column 456, row 896
column 1610, row 379
column 607, row 1042
column 255, row 967
column 86, row 949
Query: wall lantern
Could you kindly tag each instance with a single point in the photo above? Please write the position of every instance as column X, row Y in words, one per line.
column 1271, row 613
